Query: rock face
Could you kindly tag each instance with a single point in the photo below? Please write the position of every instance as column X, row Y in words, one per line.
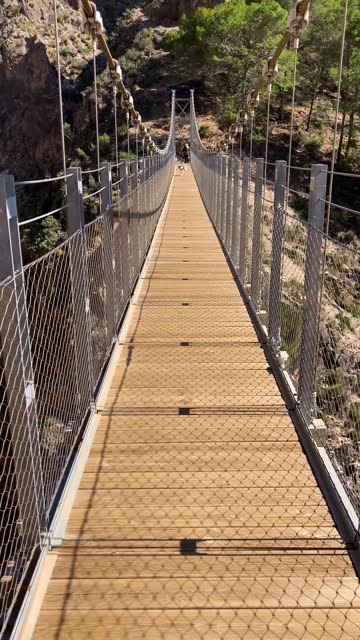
column 30, row 143
column 29, row 113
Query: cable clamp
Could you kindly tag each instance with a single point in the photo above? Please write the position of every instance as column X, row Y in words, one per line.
column 128, row 102
column 270, row 73
column 296, row 20
column 116, row 74
column 253, row 99
column 94, row 24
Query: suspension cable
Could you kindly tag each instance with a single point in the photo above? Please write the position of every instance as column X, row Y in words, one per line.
column 252, row 116
column 241, row 141
column 332, row 169
column 128, row 132
column 94, row 21
column 61, row 108
column 267, row 133
column 296, row 48
column 298, row 21
column 116, row 130
column 338, row 100
column 96, row 105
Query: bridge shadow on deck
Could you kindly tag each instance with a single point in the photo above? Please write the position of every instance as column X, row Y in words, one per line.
column 198, row 516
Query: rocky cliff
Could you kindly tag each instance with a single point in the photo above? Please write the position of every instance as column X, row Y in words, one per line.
column 30, row 143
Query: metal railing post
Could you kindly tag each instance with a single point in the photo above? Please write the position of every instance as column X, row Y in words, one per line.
column 142, row 209
column 108, row 249
column 256, row 248
column 125, row 248
column 229, row 203
column 19, row 396
column 235, row 215
column 277, row 248
column 312, row 287
column 135, row 214
column 80, row 286
column 218, row 192
column 244, row 221
column 224, row 169
column 213, row 187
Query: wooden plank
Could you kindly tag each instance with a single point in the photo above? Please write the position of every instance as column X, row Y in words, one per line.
column 96, row 566
column 195, row 429
column 277, row 477
column 205, row 623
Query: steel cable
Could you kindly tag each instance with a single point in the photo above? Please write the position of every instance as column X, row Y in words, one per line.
column 96, row 105
column 61, row 109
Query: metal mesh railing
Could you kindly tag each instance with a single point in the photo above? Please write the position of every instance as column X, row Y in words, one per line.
column 292, row 290
column 60, row 316
column 302, row 283
column 337, row 381
column 60, row 407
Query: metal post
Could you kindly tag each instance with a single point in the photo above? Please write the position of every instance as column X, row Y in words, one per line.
column 256, row 248
column 124, row 229
column 277, row 247
column 244, row 221
column 312, row 285
column 108, row 250
column 142, row 209
column 218, row 192
column 19, row 397
column 235, row 216
column 80, row 287
column 213, row 187
column 229, row 203
column 135, row 215
column 223, row 197
column 152, row 197
column 146, row 203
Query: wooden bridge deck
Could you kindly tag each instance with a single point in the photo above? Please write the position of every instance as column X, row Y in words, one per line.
column 198, row 516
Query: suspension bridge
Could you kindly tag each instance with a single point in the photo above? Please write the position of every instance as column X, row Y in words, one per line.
column 175, row 417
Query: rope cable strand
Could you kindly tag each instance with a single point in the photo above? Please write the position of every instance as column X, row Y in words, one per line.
column 298, row 20
column 93, row 22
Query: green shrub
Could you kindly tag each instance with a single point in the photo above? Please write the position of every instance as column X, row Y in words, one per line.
column 204, row 131
column 105, row 146
column 344, row 321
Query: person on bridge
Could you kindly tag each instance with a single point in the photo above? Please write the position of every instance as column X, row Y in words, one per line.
column 186, row 152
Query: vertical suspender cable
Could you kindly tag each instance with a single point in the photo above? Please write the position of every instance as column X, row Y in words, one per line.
column 61, row 111
column 116, row 131
column 128, row 132
column 96, row 105
column 267, row 135
column 251, row 136
column 241, row 141
column 296, row 48
column 338, row 99
column 332, row 169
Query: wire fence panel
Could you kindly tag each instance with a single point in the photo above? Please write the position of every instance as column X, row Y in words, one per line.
column 292, row 290
column 250, row 227
column 94, row 233
column 50, row 304
column 337, row 380
column 22, row 507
